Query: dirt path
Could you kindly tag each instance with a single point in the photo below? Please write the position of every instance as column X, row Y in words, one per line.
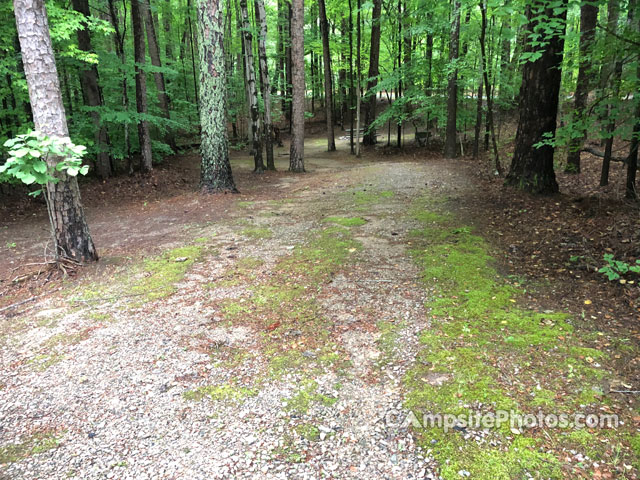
column 279, row 352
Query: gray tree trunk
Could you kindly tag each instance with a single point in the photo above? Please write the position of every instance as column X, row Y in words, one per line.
column 261, row 20
column 250, row 73
column 450, row 148
column 68, row 224
column 328, row 81
column 154, row 53
column 296, row 156
column 215, row 173
column 92, row 94
column 141, row 87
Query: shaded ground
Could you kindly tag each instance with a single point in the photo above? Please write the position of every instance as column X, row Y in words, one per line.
column 285, row 332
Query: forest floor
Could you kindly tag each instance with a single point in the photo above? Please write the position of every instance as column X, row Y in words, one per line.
column 288, row 331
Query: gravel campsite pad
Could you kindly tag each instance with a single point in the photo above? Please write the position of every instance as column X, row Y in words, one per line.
column 274, row 343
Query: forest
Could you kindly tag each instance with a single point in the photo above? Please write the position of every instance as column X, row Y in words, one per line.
column 336, row 239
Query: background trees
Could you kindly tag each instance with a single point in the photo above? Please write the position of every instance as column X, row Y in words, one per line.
column 448, row 70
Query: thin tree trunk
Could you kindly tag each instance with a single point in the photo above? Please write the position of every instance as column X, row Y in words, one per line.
column 588, row 19
column 154, row 53
column 92, row 93
column 374, row 64
column 166, row 25
column 532, row 166
column 400, row 43
column 141, row 87
column 252, row 88
column 68, row 224
column 296, row 155
column 632, row 161
column 261, row 20
column 450, row 148
column 215, row 172
column 328, row 84
column 478, row 126
column 351, row 93
column 193, row 55
column 359, row 73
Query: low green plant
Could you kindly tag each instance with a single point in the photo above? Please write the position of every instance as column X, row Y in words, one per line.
column 28, row 159
column 615, row 269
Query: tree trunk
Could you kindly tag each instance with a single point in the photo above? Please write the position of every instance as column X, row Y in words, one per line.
column 215, row 170
column 252, row 88
column 485, row 75
column 450, row 148
column 588, row 19
column 166, row 26
column 328, row 83
column 612, row 74
column 532, row 167
column 154, row 53
column 351, row 93
column 374, row 65
column 399, row 91
column 261, row 20
column 68, row 225
column 296, row 156
column 479, row 105
column 141, row 87
column 92, row 94
column 632, row 161
column 359, row 74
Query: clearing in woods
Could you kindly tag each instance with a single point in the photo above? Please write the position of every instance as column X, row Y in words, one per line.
column 288, row 332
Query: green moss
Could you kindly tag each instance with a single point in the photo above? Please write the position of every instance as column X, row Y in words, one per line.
column 308, row 431
column 634, row 442
column 302, row 401
column 245, row 204
column 101, row 317
column 479, row 336
column 64, row 339
column 218, row 393
column 37, row 443
column 43, row 361
column 346, row 221
column 257, row 232
column 387, row 341
column 163, row 272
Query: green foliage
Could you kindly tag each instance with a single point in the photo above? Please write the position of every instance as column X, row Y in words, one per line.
column 615, row 269
column 30, row 155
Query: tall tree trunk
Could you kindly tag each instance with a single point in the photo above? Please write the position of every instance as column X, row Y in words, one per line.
column 252, row 88
column 532, row 167
column 359, row 74
column 399, row 91
column 92, row 93
column 154, row 53
column 351, row 93
column 479, row 104
column 68, row 224
column 588, row 19
column 328, row 83
column 166, row 26
column 193, row 56
column 632, row 161
column 141, row 86
column 288, row 61
column 296, row 155
column 610, row 74
column 261, row 20
column 282, row 77
column 450, row 148
column 485, row 75
column 215, row 170
column 374, row 65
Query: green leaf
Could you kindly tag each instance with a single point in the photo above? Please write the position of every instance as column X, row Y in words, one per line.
column 40, row 166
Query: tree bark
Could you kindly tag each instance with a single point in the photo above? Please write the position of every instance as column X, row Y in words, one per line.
column 261, row 20
column 328, row 81
column 93, row 94
column 359, row 74
column 141, row 87
column 154, row 53
column 215, row 171
column 374, row 65
column 252, row 89
column 532, row 167
column 450, row 147
column 68, row 224
column 632, row 163
column 588, row 19
column 296, row 155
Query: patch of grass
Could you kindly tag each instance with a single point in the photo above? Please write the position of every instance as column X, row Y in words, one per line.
column 346, row 221
column 45, row 360
column 257, row 232
column 302, row 401
column 220, row 393
column 495, row 354
column 101, row 317
column 163, row 272
column 364, row 198
column 308, row 431
column 64, row 339
column 245, row 204
column 387, row 341
column 33, row 445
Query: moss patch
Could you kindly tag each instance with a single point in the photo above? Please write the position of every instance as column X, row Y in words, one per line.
column 494, row 355
column 307, row 396
column 346, row 221
column 217, row 393
column 257, row 232
column 33, row 445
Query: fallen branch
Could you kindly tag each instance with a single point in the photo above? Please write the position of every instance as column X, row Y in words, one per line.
column 17, row 304
column 595, row 152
